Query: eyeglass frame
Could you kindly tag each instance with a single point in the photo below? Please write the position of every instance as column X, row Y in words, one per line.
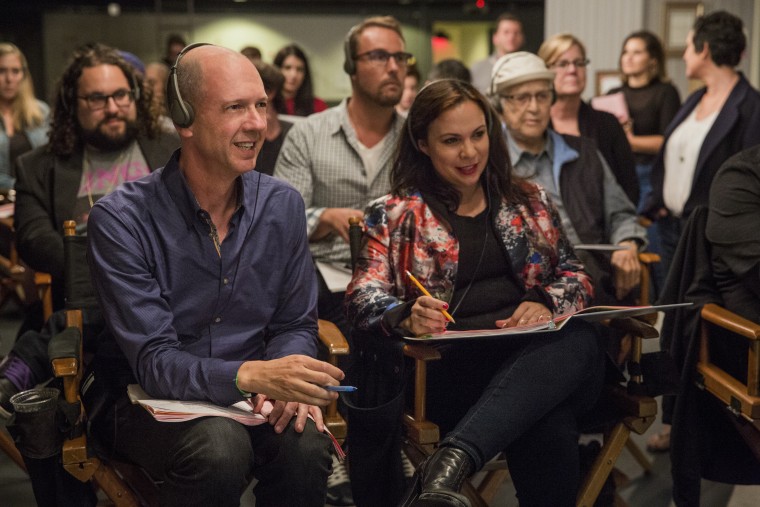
column 512, row 99
column 579, row 63
column 381, row 56
column 130, row 95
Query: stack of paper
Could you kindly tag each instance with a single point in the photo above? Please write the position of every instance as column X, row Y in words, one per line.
column 176, row 411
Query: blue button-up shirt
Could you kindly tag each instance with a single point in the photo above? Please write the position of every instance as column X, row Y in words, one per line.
column 186, row 316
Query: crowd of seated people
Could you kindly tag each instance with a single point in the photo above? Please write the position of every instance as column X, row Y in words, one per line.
column 481, row 191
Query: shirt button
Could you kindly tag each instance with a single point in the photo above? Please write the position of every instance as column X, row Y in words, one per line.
column 218, row 320
column 226, row 281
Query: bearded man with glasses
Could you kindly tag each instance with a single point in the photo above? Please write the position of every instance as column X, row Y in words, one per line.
column 104, row 131
column 339, row 159
column 593, row 207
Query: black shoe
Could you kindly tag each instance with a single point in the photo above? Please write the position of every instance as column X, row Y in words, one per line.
column 7, row 389
column 439, row 479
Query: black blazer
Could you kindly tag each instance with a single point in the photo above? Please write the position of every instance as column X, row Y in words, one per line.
column 736, row 128
column 46, row 193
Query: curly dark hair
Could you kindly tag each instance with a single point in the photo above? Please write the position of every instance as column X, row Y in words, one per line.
column 413, row 170
column 65, row 131
column 723, row 33
column 304, row 99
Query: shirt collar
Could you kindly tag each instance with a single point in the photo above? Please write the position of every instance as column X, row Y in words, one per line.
column 183, row 197
column 516, row 153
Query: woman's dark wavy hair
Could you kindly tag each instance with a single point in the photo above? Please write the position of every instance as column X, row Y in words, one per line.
column 65, row 132
column 654, row 49
column 304, row 99
column 724, row 34
column 413, row 170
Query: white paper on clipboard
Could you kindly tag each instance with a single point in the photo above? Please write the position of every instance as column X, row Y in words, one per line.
column 335, row 274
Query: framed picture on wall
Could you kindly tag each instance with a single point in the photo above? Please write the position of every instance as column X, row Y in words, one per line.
column 678, row 20
column 606, row 80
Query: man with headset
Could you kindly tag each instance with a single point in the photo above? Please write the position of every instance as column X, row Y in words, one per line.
column 340, row 159
column 203, row 273
column 593, row 207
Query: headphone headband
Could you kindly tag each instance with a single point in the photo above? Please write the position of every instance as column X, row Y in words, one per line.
column 181, row 111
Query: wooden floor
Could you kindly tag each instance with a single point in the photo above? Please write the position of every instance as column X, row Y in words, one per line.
column 651, row 490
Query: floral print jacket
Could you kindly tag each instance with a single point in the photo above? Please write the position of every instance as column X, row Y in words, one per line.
column 404, row 233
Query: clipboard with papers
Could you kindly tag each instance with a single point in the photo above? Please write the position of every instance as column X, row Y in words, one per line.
column 591, row 314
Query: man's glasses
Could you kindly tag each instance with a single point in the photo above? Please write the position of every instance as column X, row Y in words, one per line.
column 523, row 99
column 120, row 97
column 579, row 64
column 381, row 57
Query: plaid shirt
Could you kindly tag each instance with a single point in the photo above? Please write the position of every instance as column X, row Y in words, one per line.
column 320, row 158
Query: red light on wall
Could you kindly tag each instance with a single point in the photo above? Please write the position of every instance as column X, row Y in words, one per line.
column 480, row 4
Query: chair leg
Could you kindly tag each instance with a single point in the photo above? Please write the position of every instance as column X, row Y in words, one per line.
column 492, row 483
column 603, row 465
column 639, row 455
column 9, row 447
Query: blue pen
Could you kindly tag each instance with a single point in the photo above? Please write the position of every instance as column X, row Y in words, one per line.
column 342, row 389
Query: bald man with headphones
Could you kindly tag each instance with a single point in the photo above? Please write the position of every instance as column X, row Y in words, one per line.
column 205, row 279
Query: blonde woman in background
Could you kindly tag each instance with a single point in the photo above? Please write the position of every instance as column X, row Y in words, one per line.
column 565, row 54
column 25, row 119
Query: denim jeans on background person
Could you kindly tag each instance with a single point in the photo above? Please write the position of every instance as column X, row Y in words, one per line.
column 211, row 460
column 644, row 173
column 529, row 408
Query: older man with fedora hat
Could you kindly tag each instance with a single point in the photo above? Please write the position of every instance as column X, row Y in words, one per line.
column 593, row 207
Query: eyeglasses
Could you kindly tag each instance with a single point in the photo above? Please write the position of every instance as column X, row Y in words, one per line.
column 523, row 99
column 579, row 64
column 381, row 57
column 120, row 97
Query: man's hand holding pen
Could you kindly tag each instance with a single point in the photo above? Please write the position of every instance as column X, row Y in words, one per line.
column 295, row 382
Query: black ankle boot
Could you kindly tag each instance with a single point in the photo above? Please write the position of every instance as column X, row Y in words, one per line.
column 439, row 479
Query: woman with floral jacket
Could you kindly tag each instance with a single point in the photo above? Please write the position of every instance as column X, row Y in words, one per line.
column 490, row 249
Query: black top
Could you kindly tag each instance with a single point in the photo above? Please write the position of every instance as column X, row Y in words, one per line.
column 485, row 290
column 267, row 158
column 605, row 129
column 652, row 108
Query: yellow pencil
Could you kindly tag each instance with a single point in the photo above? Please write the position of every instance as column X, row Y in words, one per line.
column 425, row 292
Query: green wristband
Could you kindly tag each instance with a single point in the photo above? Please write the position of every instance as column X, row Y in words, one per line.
column 245, row 394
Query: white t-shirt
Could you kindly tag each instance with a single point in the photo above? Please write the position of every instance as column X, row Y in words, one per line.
column 371, row 156
column 681, row 154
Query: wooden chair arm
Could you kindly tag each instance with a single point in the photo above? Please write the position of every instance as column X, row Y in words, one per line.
column 649, row 258
column 421, row 352
column 728, row 320
column 332, row 338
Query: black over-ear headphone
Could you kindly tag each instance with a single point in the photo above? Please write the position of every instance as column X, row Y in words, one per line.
column 180, row 111
column 349, row 65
